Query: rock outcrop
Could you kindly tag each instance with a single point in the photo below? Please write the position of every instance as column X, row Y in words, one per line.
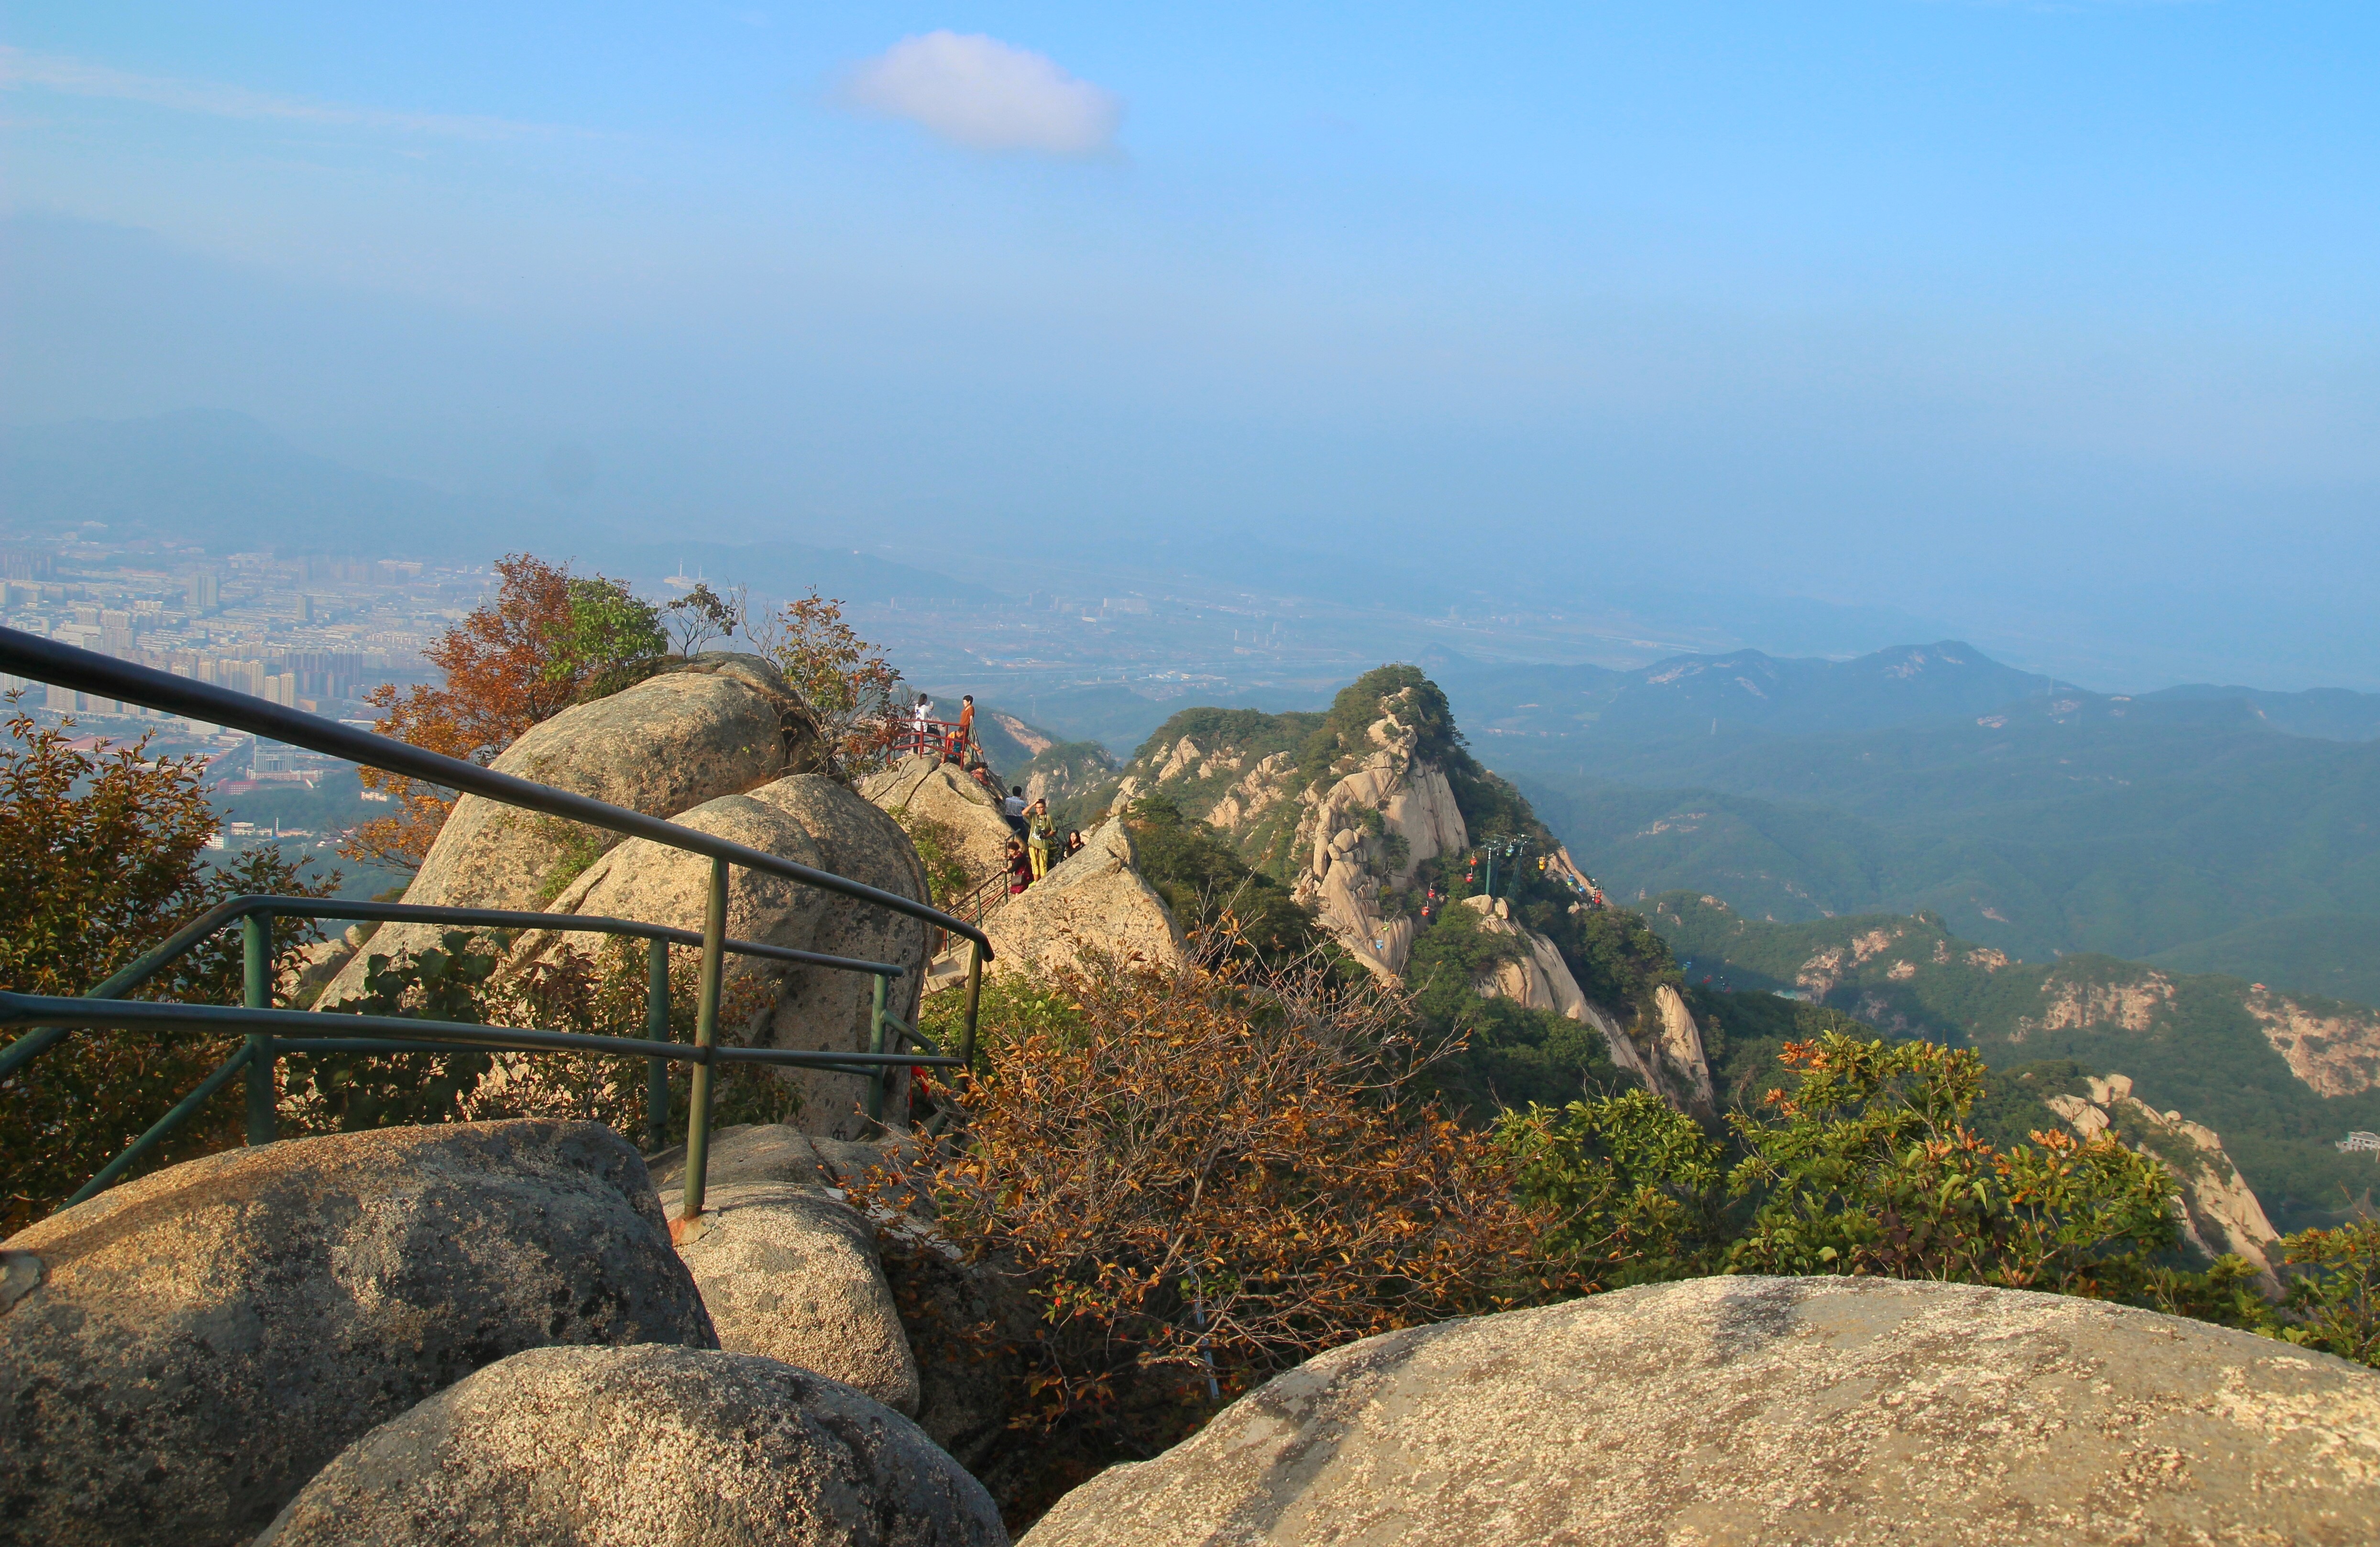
column 721, row 725
column 1673, row 1067
column 790, row 1273
column 2334, row 1048
column 1345, row 835
column 1773, row 1410
column 930, row 788
column 202, row 1339
column 1682, row 1052
column 1538, row 980
column 1095, row 901
column 653, row 883
column 825, row 1007
column 563, row 1447
column 2220, row 1213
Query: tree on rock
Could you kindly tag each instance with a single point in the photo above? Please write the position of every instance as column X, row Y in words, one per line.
column 547, row 639
column 846, row 682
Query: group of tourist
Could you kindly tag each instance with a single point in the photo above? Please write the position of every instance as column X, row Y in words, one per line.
column 1028, row 851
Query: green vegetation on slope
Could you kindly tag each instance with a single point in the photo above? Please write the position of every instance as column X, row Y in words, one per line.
column 2118, row 827
column 2192, row 1043
column 1206, row 885
column 2333, row 954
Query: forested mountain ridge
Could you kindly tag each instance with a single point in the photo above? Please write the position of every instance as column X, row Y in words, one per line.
column 1743, row 689
column 1905, row 685
column 2072, row 823
column 2282, row 1077
column 1424, row 867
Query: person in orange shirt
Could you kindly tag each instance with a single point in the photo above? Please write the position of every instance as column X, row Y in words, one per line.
column 966, row 720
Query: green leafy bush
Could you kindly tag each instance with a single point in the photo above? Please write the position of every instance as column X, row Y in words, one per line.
column 1866, row 1167
column 102, row 857
column 2333, row 1293
column 1637, row 1185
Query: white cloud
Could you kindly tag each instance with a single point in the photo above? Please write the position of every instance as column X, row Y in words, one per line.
column 75, row 77
column 985, row 93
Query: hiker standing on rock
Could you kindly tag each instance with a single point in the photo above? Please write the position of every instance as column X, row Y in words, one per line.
column 1037, row 837
column 1020, row 869
column 922, row 717
column 966, row 720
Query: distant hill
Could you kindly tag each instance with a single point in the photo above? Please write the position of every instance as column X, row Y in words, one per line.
column 1726, row 695
column 2332, row 712
column 2335, row 954
column 2280, row 1077
column 2057, row 822
column 223, row 480
column 781, row 569
column 1912, row 684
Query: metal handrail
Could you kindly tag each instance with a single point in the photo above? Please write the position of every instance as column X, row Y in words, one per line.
column 103, row 1006
column 186, row 939
column 46, row 661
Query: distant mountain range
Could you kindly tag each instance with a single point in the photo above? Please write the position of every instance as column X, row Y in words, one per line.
column 227, row 482
column 1908, row 685
column 2181, row 826
column 223, row 480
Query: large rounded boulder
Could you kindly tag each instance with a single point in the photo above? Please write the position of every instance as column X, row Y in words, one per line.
column 1773, row 1410
column 195, row 1344
column 930, row 788
column 560, row 1447
column 653, row 883
column 1095, row 904
column 788, row 1272
column 827, row 1008
column 721, row 724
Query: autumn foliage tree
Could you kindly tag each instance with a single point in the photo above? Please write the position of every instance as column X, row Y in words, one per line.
column 847, row 680
column 547, row 640
column 1200, row 1176
column 102, row 857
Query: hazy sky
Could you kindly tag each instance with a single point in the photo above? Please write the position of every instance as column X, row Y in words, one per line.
column 2058, row 323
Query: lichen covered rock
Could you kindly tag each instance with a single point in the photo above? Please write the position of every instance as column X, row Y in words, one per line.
column 1773, row 1410
column 827, row 1008
column 202, row 1339
column 719, row 725
column 1095, row 901
column 794, row 1274
column 560, row 1447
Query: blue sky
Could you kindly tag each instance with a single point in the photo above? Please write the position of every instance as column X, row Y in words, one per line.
column 2054, row 323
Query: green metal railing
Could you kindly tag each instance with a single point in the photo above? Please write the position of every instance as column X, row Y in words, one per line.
column 270, row 1033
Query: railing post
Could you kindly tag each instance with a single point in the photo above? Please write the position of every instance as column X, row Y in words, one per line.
column 974, row 998
column 657, row 1029
column 706, row 1035
column 256, row 975
column 884, row 1075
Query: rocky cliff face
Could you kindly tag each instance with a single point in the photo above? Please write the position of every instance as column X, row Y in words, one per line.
column 2220, row 1212
column 1361, row 810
